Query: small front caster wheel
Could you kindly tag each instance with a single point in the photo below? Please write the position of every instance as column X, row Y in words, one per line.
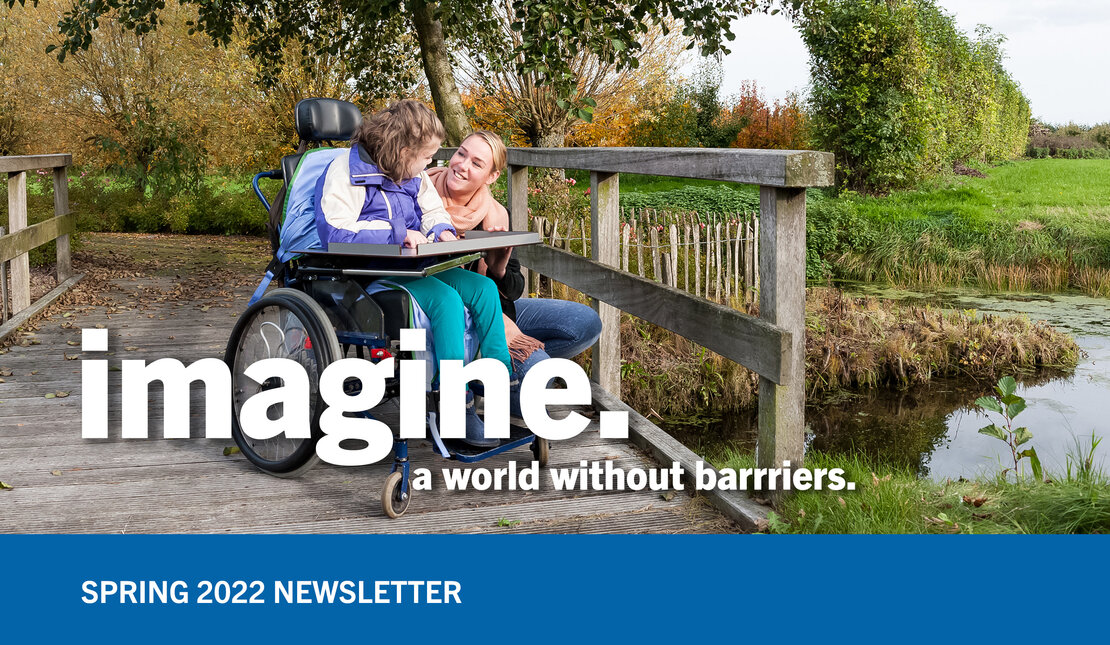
column 394, row 502
column 541, row 450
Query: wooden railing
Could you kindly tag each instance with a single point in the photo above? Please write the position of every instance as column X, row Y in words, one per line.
column 772, row 344
column 21, row 238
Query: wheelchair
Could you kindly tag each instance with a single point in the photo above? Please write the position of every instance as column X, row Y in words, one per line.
column 329, row 309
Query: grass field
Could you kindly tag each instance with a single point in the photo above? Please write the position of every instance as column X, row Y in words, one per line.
column 1037, row 224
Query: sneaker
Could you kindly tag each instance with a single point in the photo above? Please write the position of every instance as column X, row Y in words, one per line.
column 475, row 429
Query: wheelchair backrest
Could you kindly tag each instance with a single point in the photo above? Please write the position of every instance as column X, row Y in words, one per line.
column 316, row 121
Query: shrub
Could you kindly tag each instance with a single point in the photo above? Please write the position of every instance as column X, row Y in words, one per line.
column 899, row 93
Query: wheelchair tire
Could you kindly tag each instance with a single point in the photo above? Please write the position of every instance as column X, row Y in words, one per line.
column 393, row 503
column 285, row 323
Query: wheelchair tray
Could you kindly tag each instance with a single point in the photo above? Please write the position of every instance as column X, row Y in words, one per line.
column 472, row 242
column 424, row 260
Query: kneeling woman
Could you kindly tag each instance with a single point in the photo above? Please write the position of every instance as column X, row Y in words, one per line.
column 380, row 194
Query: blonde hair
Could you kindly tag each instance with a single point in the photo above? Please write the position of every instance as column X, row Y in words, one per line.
column 497, row 146
column 404, row 124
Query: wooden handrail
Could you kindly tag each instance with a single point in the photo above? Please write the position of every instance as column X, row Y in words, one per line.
column 21, row 239
column 23, row 163
column 772, row 345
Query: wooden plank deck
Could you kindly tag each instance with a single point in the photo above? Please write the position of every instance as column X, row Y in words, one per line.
column 64, row 484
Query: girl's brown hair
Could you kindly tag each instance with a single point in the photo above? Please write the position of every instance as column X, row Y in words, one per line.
column 404, row 124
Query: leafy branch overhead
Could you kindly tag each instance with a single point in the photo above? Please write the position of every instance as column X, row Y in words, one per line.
column 378, row 37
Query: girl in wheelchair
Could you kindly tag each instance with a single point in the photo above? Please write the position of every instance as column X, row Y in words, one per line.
column 380, row 194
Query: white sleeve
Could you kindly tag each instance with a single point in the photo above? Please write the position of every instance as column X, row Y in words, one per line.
column 341, row 202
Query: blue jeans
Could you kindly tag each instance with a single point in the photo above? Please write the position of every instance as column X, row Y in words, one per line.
column 565, row 328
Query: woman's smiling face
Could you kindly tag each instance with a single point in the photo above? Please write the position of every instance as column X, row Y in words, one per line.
column 471, row 167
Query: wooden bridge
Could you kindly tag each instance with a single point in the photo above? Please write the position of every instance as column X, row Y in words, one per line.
column 60, row 482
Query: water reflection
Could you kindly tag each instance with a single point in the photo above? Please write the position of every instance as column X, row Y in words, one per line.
column 932, row 429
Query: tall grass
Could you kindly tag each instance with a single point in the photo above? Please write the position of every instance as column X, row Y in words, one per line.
column 893, row 500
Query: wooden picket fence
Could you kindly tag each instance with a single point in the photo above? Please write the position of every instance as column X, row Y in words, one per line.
column 714, row 256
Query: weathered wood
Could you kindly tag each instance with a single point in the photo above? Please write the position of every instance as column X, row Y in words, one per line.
column 697, row 258
column 759, row 346
column 734, row 504
column 20, row 262
column 625, row 231
column 796, row 168
column 24, row 163
column 639, row 249
column 517, row 186
column 728, row 262
column 666, row 275
column 782, row 303
column 3, row 284
column 22, row 241
column 674, row 255
column 61, row 208
column 656, row 272
column 686, row 255
column 605, row 223
column 22, row 316
column 717, row 263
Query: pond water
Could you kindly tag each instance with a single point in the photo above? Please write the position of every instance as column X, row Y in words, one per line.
column 933, row 429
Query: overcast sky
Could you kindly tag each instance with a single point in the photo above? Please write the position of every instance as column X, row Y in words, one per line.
column 1058, row 51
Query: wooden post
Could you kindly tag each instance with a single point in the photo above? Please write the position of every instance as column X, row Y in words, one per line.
column 717, row 263
column 736, row 259
column 3, row 285
column 697, row 258
column 604, row 223
column 625, row 231
column 657, row 273
column 639, row 248
column 686, row 255
column 17, row 221
column 517, row 180
column 782, row 302
column 728, row 261
column 61, row 207
column 674, row 255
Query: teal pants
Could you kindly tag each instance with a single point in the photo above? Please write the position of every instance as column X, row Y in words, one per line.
column 442, row 297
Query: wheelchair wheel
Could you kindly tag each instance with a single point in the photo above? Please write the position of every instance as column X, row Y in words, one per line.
column 285, row 323
column 393, row 503
column 541, row 450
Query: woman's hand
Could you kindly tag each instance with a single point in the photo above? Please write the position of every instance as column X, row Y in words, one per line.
column 447, row 236
column 496, row 259
column 412, row 238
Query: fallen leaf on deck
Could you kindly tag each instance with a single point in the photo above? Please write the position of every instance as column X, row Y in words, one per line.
column 73, row 343
column 667, row 496
column 4, row 486
column 60, row 394
column 71, row 358
column 50, row 395
column 56, row 473
column 231, row 450
column 4, row 371
column 114, row 368
column 130, row 349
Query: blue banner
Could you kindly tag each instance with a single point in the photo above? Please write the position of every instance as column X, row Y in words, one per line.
column 548, row 588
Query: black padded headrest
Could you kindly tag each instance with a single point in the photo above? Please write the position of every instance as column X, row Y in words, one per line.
column 326, row 120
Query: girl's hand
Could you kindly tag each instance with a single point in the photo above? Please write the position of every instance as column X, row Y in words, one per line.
column 447, row 236
column 412, row 238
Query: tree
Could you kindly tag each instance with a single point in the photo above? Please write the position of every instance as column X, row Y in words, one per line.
column 552, row 34
column 541, row 115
